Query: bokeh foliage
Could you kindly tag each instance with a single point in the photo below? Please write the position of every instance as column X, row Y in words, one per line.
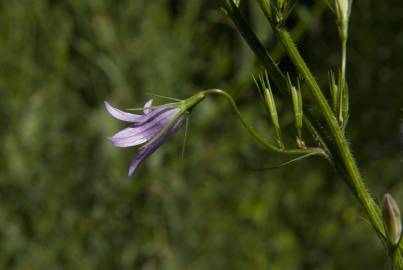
column 65, row 199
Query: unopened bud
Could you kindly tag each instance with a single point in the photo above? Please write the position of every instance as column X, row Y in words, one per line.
column 343, row 6
column 392, row 219
column 271, row 104
column 297, row 108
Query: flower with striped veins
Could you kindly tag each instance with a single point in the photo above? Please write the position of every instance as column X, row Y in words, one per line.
column 151, row 129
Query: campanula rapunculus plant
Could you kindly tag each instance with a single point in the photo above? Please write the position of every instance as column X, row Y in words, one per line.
column 326, row 128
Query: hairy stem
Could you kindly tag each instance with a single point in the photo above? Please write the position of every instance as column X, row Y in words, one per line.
column 343, row 148
column 335, row 145
column 274, row 72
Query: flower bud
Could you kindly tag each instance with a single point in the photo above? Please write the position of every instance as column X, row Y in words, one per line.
column 343, row 6
column 270, row 103
column 297, row 108
column 391, row 216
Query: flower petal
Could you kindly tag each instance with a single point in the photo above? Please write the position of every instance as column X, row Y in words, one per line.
column 121, row 115
column 132, row 136
column 142, row 133
column 147, row 106
column 152, row 147
column 164, row 116
column 159, row 120
column 151, row 116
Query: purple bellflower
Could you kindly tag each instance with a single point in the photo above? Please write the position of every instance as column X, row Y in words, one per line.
column 152, row 128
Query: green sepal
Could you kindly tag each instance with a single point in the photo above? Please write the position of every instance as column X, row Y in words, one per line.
column 334, row 89
column 278, row 11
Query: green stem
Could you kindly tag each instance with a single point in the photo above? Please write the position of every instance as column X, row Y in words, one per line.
column 252, row 131
column 306, row 18
column 336, row 146
column 274, row 72
column 343, row 56
column 345, row 154
column 351, row 170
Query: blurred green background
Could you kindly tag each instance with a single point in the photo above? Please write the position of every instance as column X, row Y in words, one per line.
column 65, row 199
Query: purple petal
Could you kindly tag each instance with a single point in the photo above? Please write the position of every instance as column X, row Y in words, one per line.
column 147, row 106
column 146, row 118
column 140, row 134
column 131, row 136
column 155, row 117
column 152, row 147
column 159, row 120
column 121, row 115
column 150, row 117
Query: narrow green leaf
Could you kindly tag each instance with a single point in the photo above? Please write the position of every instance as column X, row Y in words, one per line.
column 286, row 163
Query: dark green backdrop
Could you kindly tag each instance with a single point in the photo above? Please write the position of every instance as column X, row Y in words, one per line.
column 65, row 199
